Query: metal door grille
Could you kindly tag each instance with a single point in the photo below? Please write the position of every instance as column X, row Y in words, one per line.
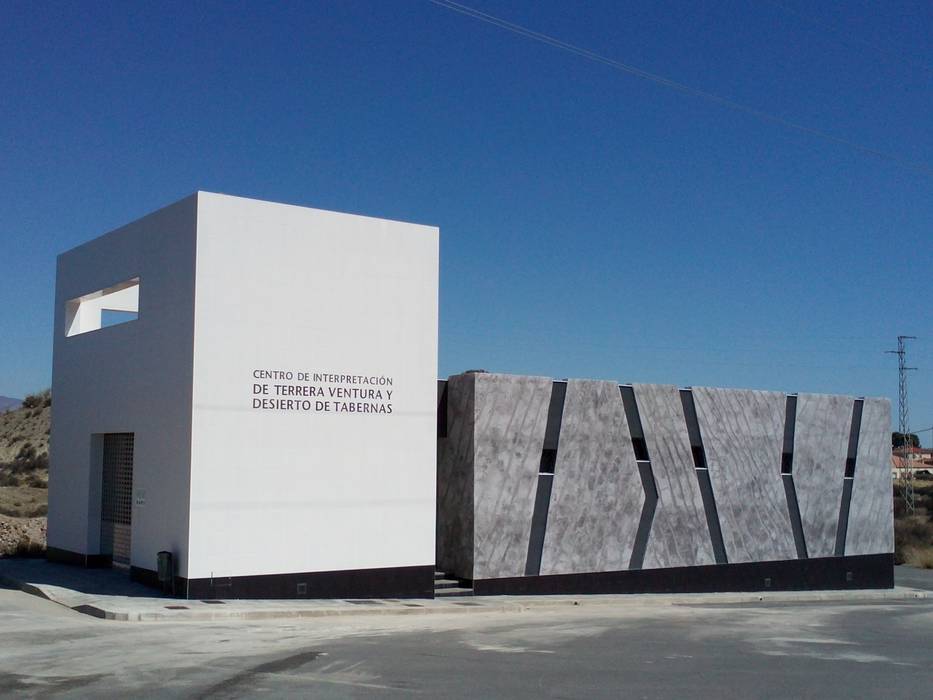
column 117, row 497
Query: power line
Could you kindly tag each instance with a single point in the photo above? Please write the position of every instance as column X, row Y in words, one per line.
column 674, row 85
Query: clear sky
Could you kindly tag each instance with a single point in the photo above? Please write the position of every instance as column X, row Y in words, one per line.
column 593, row 223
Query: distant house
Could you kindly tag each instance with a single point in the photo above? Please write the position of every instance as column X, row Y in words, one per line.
column 917, row 458
column 898, row 465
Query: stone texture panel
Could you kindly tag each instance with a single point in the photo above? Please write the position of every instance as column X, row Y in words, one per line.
column 743, row 435
column 597, row 494
column 871, row 510
column 511, row 417
column 455, row 481
column 679, row 533
column 821, row 443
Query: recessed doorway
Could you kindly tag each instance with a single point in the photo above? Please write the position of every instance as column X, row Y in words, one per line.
column 116, row 511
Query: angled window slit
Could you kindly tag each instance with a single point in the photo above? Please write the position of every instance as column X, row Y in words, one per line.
column 442, row 409
column 538, row 524
column 555, row 414
column 647, row 516
column 642, row 459
column 790, row 423
column 787, row 469
column 702, row 471
column 853, row 438
column 793, row 509
column 848, row 481
column 843, row 527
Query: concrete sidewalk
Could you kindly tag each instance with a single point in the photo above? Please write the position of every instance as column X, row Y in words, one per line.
column 110, row 595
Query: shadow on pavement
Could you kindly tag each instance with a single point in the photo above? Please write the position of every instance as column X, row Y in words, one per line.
column 90, row 581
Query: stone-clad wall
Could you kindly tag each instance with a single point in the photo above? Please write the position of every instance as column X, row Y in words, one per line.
column 510, row 417
column 821, row 442
column 871, row 510
column 742, row 433
column 679, row 534
column 538, row 478
column 597, row 496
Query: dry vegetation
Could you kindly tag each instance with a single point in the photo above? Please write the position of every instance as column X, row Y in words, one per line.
column 913, row 534
column 24, row 476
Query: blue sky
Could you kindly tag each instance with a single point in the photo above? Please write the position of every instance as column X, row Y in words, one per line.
column 593, row 223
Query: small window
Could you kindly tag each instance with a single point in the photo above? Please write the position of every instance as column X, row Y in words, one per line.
column 103, row 308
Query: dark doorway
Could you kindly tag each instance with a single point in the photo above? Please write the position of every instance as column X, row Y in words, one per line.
column 117, row 498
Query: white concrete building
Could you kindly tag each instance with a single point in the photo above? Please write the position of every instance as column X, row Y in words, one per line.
column 252, row 387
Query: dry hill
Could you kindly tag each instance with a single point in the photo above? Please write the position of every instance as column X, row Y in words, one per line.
column 24, row 475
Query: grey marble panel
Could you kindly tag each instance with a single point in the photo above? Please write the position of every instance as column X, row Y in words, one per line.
column 743, row 435
column 454, row 544
column 679, row 533
column 871, row 510
column 821, row 443
column 511, row 417
column 597, row 496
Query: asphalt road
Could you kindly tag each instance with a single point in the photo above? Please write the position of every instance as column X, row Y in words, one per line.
column 817, row 650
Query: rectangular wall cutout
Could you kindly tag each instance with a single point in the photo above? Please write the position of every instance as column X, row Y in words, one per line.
column 105, row 307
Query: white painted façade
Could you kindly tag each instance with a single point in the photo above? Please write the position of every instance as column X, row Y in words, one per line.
column 252, row 387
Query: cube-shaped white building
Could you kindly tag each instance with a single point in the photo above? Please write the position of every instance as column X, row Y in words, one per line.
column 252, row 387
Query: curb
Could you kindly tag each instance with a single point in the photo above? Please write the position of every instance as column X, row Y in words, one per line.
column 478, row 604
column 25, row 588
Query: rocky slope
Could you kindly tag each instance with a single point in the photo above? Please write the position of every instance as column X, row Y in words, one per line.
column 24, row 475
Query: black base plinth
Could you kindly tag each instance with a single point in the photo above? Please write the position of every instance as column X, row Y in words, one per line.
column 830, row 573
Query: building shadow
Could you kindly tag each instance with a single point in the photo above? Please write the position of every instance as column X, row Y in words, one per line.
column 15, row 571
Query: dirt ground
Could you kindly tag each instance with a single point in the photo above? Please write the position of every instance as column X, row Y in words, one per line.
column 24, row 447
column 22, row 520
column 23, row 501
column 22, row 536
column 24, row 429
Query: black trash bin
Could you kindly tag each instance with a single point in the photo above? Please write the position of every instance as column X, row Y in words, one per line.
column 166, row 571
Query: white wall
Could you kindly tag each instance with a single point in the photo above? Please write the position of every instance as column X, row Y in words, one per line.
column 303, row 290
column 133, row 377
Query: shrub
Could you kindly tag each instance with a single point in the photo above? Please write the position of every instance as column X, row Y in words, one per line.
column 27, row 460
column 27, row 548
column 913, row 537
column 915, row 529
column 38, row 400
column 921, row 559
column 36, row 482
column 900, row 510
